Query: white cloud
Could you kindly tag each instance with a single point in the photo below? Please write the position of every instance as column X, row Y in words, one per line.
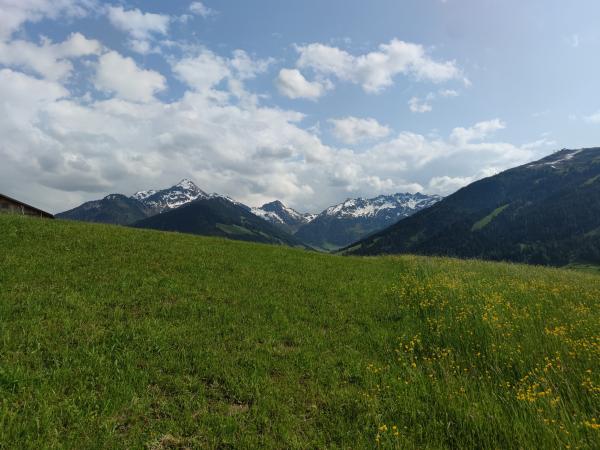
column 62, row 150
column 65, row 151
column 353, row 130
column 200, row 9
column 477, row 132
column 247, row 67
column 292, row 84
column 417, row 105
column 375, row 71
column 540, row 143
column 142, row 27
column 448, row 93
column 203, row 71
column 23, row 96
column 14, row 13
column 48, row 59
column 593, row 118
column 121, row 75
column 445, row 185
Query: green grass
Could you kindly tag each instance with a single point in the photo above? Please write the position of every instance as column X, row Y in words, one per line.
column 591, row 268
column 120, row 338
column 481, row 224
column 233, row 229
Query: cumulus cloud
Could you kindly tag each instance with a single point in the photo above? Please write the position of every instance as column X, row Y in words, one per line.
column 47, row 59
column 445, row 185
column 121, row 75
column 142, row 27
column 200, row 9
column 292, row 84
column 417, row 105
column 247, row 67
column 202, row 71
column 61, row 148
column 14, row 13
column 353, row 130
column 424, row 105
column 24, row 96
column 66, row 150
column 375, row 71
column 478, row 131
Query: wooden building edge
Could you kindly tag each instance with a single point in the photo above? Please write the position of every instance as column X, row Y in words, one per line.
column 12, row 206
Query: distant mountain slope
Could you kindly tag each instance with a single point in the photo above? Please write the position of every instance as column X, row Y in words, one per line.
column 546, row 212
column 342, row 224
column 218, row 216
column 114, row 209
column 282, row 216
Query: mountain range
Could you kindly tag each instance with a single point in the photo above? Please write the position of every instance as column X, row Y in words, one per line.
column 545, row 212
column 349, row 221
column 219, row 215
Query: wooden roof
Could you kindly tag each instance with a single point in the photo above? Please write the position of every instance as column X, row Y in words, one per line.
column 37, row 210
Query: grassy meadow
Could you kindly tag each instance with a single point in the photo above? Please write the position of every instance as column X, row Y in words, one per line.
column 119, row 338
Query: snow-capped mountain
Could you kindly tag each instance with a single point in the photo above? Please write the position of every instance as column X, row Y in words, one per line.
column 167, row 199
column 388, row 207
column 143, row 195
column 333, row 228
column 355, row 218
column 124, row 210
column 282, row 216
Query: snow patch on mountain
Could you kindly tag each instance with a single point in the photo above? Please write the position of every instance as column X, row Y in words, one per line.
column 383, row 205
column 178, row 195
column 279, row 214
column 143, row 195
column 563, row 155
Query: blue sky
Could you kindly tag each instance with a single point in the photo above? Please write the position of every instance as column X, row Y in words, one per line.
column 308, row 102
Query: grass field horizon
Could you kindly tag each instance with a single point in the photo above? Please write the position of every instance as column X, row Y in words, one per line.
column 112, row 337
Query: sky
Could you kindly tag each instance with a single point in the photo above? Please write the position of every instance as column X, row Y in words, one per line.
column 309, row 102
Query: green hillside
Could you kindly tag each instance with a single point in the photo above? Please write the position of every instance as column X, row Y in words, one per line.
column 219, row 217
column 546, row 212
column 115, row 337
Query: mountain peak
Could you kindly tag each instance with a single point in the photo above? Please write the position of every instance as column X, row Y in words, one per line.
column 186, row 183
column 166, row 199
column 275, row 205
column 283, row 216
